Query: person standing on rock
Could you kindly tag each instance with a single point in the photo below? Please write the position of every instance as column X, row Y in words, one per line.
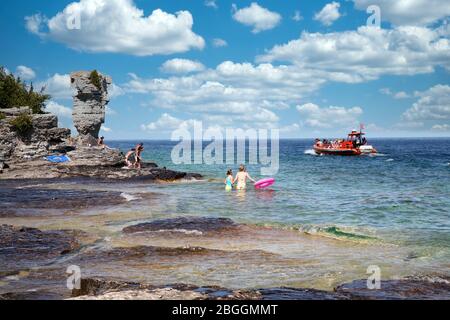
column 139, row 149
column 101, row 142
column 128, row 156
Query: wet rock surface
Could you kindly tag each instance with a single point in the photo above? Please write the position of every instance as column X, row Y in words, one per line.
column 411, row 289
column 99, row 165
column 36, row 201
column 22, row 247
column 200, row 224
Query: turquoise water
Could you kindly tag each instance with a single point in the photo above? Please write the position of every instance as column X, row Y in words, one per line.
column 324, row 222
column 400, row 196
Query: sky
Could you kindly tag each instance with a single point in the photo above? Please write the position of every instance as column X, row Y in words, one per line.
column 307, row 68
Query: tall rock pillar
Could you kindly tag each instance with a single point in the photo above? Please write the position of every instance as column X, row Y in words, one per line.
column 89, row 104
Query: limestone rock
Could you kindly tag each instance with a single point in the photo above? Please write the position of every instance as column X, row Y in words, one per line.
column 89, row 105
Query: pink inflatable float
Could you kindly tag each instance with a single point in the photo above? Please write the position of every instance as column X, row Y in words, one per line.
column 264, row 183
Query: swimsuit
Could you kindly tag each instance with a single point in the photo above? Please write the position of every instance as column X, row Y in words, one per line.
column 229, row 185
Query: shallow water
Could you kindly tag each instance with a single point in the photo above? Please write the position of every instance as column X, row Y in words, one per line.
column 323, row 223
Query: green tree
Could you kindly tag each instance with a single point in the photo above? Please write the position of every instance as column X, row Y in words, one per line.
column 96, row 79
column 15, row 93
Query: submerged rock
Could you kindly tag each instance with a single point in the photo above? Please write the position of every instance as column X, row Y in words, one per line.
column 200, row 224
column 409, row 288
column 22, row 247
column 35, row 201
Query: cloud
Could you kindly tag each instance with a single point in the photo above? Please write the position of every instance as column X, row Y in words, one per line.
column 441, row 127
column 409, row 12
column 118, row 26
column 25, row 73
column 105, row 129
column 401, row 95
column 329, row 14
column 218, row 43
column 297, row 16
column 167, row 123
column 367, row 53
column 35, row 23
column 396, row 95
column 232, row 93
column 181, row 66
column 331, row 117
column 58, row 110
column 433, row 104
column 257, row 17
column 58, row 86
column 386, row 91
column 211, row 4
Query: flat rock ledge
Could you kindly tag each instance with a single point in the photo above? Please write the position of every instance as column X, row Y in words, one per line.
column 405, row 289
column 92, row 162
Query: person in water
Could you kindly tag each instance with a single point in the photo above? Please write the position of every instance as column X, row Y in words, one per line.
column 139, row 149
column 229, row 181
column 241, row 178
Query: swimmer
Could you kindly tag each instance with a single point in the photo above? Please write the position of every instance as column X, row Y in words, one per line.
column 241, row 178
column 229, row 181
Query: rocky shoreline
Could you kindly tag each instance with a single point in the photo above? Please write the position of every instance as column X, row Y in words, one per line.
column 31, row 258
column 27, row 138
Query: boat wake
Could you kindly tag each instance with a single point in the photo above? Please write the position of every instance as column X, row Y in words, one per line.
column 311, row 152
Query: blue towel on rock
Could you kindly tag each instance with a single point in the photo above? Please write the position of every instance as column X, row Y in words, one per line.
column 57, row 159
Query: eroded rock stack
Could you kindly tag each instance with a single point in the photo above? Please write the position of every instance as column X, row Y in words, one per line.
column 89, row 104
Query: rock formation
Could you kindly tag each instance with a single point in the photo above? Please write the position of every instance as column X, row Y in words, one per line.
column 42, row 138
column 26, row 138
column 89, row 104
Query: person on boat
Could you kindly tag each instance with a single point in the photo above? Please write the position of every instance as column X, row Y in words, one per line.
column 241, row 178
column 229, row 181
column 130, row 153
column 138, row 156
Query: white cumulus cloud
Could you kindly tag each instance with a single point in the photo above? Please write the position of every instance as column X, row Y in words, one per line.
column 58, row 86
column 218, row 43
column 409, row 12
column 58, row 110
column 367, row 53
column 181, row 66
column 329, row 14
column 25, row 73
column 211, row 4
column 330, row 117
column 118, row 26
column 433, row 104
column 257, row 17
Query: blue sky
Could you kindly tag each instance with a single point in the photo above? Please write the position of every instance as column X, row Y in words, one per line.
column 309, row 68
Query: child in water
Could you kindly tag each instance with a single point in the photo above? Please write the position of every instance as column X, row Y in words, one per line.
column 229, row 181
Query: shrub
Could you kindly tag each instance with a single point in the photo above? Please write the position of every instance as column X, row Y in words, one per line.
column 95, row 79
column 22, row 123
column 15, row 93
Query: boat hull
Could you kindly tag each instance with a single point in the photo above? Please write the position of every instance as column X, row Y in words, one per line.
column 337, row 152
